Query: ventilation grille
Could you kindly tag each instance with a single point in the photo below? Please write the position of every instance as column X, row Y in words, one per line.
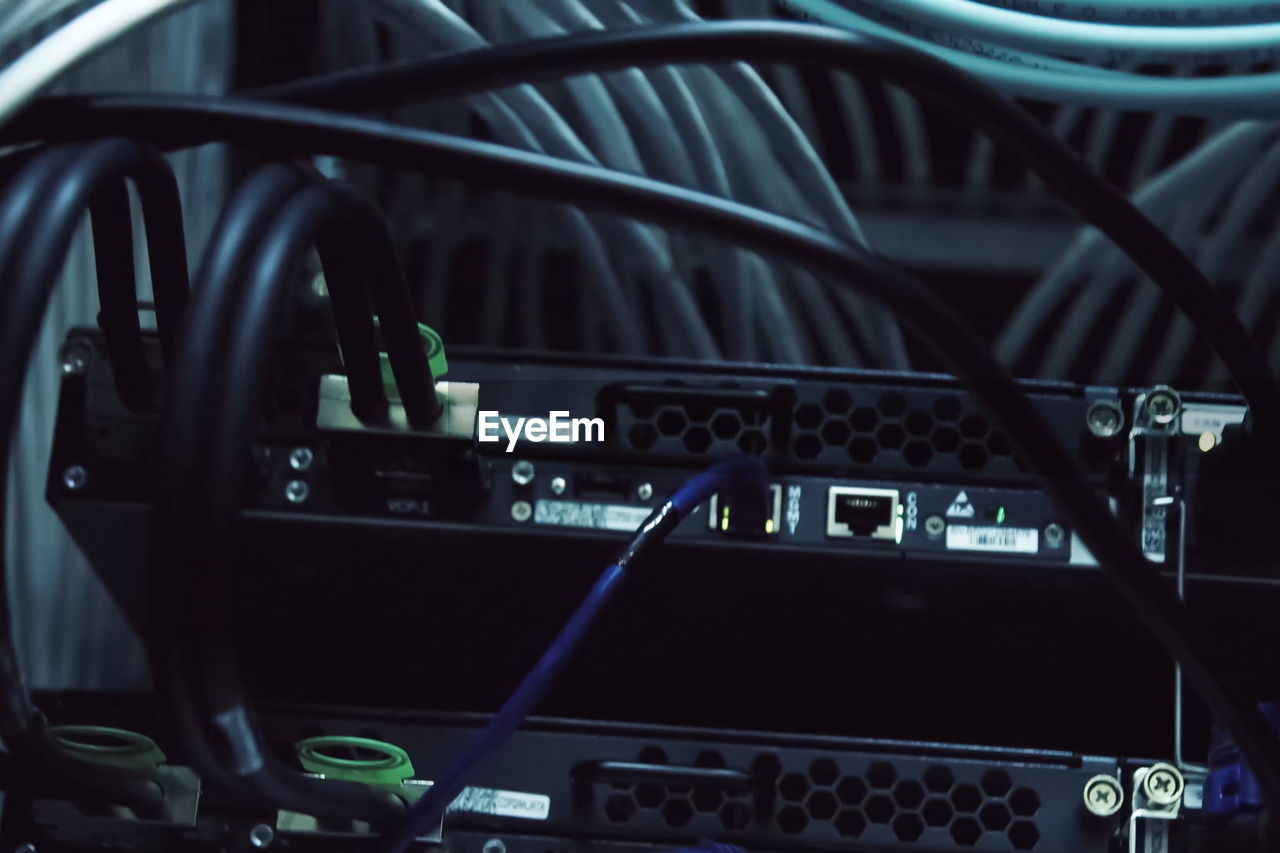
column 886, row 429
column 698, row 428
column 869, row 801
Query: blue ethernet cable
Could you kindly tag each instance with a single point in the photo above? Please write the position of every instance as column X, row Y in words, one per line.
column 743, row 475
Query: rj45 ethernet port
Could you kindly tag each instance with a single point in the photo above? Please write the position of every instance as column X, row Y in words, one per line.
column 854, row 512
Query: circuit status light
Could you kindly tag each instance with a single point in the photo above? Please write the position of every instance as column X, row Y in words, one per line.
column 1207, row 442
column 724, row 519
column 999, row 515
column 897, row 526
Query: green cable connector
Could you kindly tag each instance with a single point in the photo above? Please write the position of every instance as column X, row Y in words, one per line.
column 105, row 745
column 389, row 769
column 435, row 359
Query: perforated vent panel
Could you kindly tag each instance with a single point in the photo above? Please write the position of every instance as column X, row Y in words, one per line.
column 875, row 801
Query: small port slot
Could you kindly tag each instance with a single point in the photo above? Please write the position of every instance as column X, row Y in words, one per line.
column 733, row 515
column 601, row 486
column 862, row 512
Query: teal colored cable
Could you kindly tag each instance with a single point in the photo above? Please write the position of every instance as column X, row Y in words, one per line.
column 1084, row 40
column 1242, row 96
column 1155, row 12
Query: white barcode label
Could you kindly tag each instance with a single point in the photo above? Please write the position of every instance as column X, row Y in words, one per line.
column 1009, row 540
column 597, row 516
column 502, row 803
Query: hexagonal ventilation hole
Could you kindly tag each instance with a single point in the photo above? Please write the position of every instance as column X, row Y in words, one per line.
column 973, row 457
column 917, row 453
column 735, row 815
column 620, row 808
column 908, row 827
column 966, row 798
column 892, row 404
column 881, row 775
column 863, row 450
column 642, row 436
column 837, row 401
column 939, row 779
column 709, row 758
column 697, row 440
column 671, row 422
column 807, row 446
column 793, row 787
column 945, row 439
column 851, row 790
column 890, row 436
column 766, row 766
column 947, row 408
column 966, row 831
column 1023, row 835
column 973, row 425
column 650, row 796
column 908, row 794
column 994, row 816
column 850, row 823
column 835, row 433
column 824, row 771
column 677, row 813
column 879, row 808
column 652, row 755
column 726, row 425
column 792, row 820
column 808, row 416
column 919, row 422
column 864, row 419
column 752, row 441
column 1024, row 802
column 996, row 783
column 998, row 444
column 936, row 812
column 707, row 798
column 822, row 805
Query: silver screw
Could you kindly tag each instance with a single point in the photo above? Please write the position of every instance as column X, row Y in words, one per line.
column 26, row 847
column 522, row 473
column 495, row 845
column 644, row 491
column 1104, row 419
column 558, row 485
column 1163, row 404
column 521, row 511
column 1163, row 784
column 300, row 458
column 1103, row 796
column 75, row 477
column 934, row 525
column 1054, row 535
column 74, row 358
column 261, row 836
column 296, row 491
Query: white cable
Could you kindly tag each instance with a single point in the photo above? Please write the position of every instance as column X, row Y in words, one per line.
column 71, row 44
column 1056, row 81
column 937, row 20
column 1158, row 12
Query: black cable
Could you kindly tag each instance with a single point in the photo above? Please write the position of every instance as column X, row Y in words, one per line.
column 40, row 213
column 949, row 88
column 303, row 130
column 111, row 224
column 281, row 212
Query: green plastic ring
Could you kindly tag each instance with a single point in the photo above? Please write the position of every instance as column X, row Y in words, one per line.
column 392, row 767
column 122, row 749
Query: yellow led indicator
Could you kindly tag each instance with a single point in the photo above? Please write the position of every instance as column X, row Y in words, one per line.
column 768, row 525
column 1207, row 441
column 724, row 519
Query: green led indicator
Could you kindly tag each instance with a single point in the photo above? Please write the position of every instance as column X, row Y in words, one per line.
column 999, row 515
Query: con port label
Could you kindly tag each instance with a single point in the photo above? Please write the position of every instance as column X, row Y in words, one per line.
column 1007, row 540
